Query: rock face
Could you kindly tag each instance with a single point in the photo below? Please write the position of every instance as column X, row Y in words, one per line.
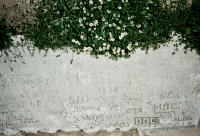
column 155, row 92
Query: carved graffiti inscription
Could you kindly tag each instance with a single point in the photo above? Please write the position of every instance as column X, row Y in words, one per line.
column 151, row 92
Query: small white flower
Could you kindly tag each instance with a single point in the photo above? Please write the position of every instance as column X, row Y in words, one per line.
column 91, row 15
column 82, row 36
column 101, row 1
column 77, row 42
column 89, row 29
column 108, row 0
column 123, row 52
column 80, row 20
column 118, row 28
column 107, row 54
column 110, row 25
column 108, row 11
column 114, row 24
column 99, row 7
column 95, row 22
column 108, row 46
column 129, row 48
column 81, row 24
column 104, row 48
column 91, row 2
column 87, row 52
column 147, row 8
column 155, row 33
column 103, row 19
column 100, row 49
column 84, row 18
column 119, row 15
column 131, row 22
column 112, row 39
column 118, row 50
column 94, row 28
column 90, row 48
column 140, row 31
column 45, row 10
column 106, row 23
column 136, row 43
column 120, row 37
column 104, row 44
column 73, row 40
column 84, row 11
column 96, row 36
column 114, row 15
column 130, row 44
column 119, row 7
column 84, row 8
column 93, row 45
column 100, row 37
column 91, row 24
column 138, row 26
column 85, row 48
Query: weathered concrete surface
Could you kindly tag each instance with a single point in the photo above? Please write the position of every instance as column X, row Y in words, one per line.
column 189, row 132
column 154, row 92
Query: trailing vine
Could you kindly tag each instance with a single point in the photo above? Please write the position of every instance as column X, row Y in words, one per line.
column 110, row 27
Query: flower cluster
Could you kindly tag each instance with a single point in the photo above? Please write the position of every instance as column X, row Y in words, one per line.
column 107, row 29
column 104, row 27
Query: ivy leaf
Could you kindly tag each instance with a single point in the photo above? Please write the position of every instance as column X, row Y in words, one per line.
column 75, row 8
column 63, row 5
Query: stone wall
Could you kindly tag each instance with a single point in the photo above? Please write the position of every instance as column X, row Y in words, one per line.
column 155, row 92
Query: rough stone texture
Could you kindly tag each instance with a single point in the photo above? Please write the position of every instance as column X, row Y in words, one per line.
column 13, row 10
column 155, row 92
column 190, row 132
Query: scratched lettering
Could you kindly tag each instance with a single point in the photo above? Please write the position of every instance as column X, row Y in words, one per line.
column 109, row 90
column 78, row 99
column 117, row 124
column 145, row 92
column 134, row 110
column 121, row 103
column 166, row 107
column 96, row 118
column 133, row 96
column 146, row 120
column 184, row 118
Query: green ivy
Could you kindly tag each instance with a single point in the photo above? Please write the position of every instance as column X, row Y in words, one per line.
column 5, row 35
column 110, row 27
column 189, row 28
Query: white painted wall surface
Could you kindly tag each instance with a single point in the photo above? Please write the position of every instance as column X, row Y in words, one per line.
column 155, row 92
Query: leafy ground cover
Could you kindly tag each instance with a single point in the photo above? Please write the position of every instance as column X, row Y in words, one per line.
column 110, row 27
